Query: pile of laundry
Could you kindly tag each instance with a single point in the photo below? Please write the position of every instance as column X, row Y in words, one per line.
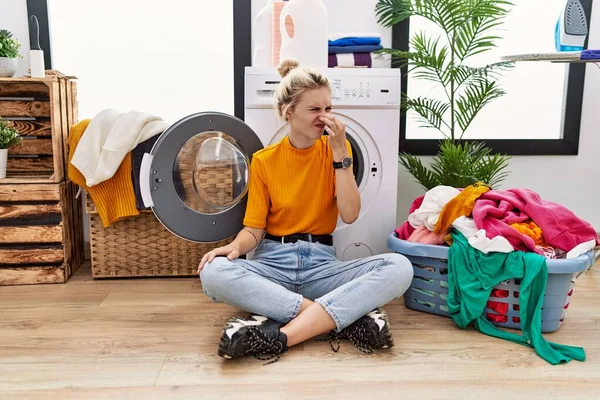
column 497, row 221
column 357, row 50
column 105, row 156
column 495, row 236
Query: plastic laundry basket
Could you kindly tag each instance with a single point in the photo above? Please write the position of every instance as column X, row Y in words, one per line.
column 429, row 289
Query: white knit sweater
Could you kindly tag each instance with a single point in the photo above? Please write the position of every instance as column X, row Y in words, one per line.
column 107, row 140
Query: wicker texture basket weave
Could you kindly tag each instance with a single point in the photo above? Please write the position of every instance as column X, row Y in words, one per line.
column 206, row 187
column 141, row 246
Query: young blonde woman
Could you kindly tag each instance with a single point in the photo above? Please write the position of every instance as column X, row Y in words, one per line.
column 294, row 286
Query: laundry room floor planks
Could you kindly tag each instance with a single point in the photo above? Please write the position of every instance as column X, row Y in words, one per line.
column 156, row 338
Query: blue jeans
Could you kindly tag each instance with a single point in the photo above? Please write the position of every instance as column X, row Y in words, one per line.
column 275, row 281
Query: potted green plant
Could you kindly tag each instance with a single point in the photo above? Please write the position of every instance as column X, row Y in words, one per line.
column 9, row 137
column 466, row 30
column 9, row 52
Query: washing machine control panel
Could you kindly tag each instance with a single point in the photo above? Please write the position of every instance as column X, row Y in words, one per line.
column 359, row 88
column 365, row 91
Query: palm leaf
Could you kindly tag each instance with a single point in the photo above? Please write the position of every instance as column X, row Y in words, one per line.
column 458, row 165
column 430, row 111
column 493, row 169
column 418, row 62
column 430, row 50
column 474, row 98
column 484, row 8
column 453, row 164
column 462, row 74
column 426, row 178
column 470, row 38
column 443, row 13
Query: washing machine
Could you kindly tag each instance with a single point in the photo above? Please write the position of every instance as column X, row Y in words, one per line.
column 367, row 101
column 195, row 178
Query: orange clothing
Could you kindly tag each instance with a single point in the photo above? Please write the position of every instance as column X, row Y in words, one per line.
column 114, row 198
column 293, row 190
column 459, row 206
column 532, row 230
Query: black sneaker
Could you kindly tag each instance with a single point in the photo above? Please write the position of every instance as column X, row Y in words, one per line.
column 367, row 333
column 256, row 335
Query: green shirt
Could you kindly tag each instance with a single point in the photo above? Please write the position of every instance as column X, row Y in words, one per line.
column 473, row 274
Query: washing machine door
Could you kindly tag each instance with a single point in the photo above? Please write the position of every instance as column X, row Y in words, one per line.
column 195, row 179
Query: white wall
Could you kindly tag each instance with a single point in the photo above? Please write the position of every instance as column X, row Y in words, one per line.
column 13, row 17
column 170, row 58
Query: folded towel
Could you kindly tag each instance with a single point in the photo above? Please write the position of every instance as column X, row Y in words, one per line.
column 590, row 55
column 108, row 139
column 368, row 60
column 355, row 41
column 354, row 49
column 336, row 36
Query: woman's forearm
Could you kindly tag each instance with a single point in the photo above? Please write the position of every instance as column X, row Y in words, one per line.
column 348, row 196
column 248, row 239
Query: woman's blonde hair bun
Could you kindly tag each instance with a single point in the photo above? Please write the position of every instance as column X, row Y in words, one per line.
column 286, row 66
column 293, row 85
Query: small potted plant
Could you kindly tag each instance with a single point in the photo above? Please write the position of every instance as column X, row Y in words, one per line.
column 9, row 137
column 9, row 52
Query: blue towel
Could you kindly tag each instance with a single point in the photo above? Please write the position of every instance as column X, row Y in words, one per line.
column 590, row 55
column 355, row 41
column 354, row 49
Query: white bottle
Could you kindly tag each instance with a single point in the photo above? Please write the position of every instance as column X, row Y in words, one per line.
column 308, row 43
column 36, row 55
column 263, row 37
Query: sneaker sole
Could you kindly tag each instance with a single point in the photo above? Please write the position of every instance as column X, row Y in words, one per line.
column 225, row 342
column 387, row 339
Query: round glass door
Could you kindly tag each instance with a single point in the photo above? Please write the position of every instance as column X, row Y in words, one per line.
column 198, row 176
column 211, row 173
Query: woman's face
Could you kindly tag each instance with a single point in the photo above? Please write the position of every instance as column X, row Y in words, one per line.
column 305, row 118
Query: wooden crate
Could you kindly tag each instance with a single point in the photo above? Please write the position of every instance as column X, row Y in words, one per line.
column 140, row 247
column 41, row 233
column 42, row 110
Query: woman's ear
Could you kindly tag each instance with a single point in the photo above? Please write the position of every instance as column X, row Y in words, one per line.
column 286, row 112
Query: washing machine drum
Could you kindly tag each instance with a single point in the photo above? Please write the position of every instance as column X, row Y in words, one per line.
column 195, row 179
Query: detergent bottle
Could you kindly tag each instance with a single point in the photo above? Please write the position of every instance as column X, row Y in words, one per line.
column 304, row 28
column 262, row 33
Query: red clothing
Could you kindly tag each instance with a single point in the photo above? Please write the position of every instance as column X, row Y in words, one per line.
column 405, row 230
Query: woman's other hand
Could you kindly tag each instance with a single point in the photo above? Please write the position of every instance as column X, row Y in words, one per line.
column 231, row 251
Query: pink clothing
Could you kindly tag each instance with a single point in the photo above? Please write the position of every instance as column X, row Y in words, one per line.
column 495, row 210
column 405, row 230
column 424, row 235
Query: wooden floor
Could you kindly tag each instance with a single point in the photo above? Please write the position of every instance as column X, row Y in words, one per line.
column 157, row 339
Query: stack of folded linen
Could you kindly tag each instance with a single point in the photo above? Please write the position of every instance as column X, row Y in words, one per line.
column 357, row 50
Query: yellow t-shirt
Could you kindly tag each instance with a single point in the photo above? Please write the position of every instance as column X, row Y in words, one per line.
column 293, row 190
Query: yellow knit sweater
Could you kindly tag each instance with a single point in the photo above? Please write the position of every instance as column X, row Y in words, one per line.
column 115, row 197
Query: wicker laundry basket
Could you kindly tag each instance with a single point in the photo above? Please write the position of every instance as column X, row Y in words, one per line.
column 141, row 246
column 429, row 289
